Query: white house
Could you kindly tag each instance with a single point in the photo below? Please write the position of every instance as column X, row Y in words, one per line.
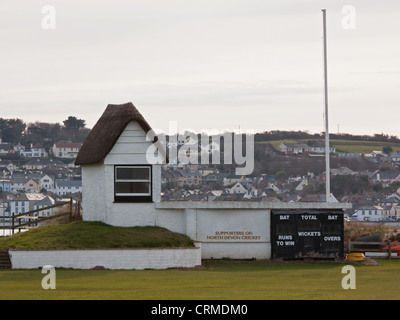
column 294, row 148
column 370, row 213
column 17, row 182
column 395, row 156
column 66, row 149
column 24, row 202
column 35, row 151
column 237, row 188
column 18, row 148
column 319, row 147
column 121, row 185
column 64, row 187
column 46, row 182
column 19, row 203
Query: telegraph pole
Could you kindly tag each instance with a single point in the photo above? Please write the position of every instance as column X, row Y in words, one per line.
column 327, row 162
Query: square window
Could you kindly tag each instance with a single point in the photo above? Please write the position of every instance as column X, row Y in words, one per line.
column 132, row 183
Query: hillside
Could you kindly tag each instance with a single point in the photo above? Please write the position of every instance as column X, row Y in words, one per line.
column 345, row 146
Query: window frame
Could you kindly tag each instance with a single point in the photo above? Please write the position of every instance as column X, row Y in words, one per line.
column 131, row 197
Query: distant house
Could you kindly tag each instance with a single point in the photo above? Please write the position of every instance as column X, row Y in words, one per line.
column 386, row 177
column 35, row 151
column 24, row 202
column 39, row 164
column 319, row 147
column 5, row 185
column 66, row 149
column 8, row 164
column 269, row 149
column 19, row 203
column 58, row 170
column 299, row 186
column 393, row 199
column 215, row 177
column 32, row 186
column 348, row 155
column 369, row 213
column 5, row 172
column 17, row 182
column 64, row 187
column 18, row 148
column 294, row 148
column 342, row 171
column 46, row 181
column 377, row 156
column 192, row 177
column 5, row 148
column 237, row 188
column 166, row 177
column 272, row 187
column 395, row 156
column 44, row 203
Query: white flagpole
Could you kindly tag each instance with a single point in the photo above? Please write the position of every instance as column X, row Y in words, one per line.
column 327, row 164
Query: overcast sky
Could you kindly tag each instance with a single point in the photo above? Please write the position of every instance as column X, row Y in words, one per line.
column 206, row 64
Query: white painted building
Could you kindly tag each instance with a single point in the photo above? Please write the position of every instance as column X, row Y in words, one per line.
column 121, row 186
column 66, row 149
column 64, row 187
column 370, row 213
column 19, row 204
column 35, row 151
column 47, row 182
column 24, row 202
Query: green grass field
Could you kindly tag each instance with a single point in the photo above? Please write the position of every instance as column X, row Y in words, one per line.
column 217, row 280
column 347, row 146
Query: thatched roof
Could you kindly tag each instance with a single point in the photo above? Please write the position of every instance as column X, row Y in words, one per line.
column 107, row 130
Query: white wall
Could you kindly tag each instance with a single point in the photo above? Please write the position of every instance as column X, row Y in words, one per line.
column 224, row 231
column 234, row 233
column 98, row 183
column 110, row 259
column 93, row 197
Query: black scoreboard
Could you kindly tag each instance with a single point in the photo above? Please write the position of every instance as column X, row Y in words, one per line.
column 307, row 233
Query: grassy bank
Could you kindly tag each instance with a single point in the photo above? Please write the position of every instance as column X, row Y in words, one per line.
column 87, row 235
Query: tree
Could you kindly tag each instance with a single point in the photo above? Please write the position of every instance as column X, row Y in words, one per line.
column 387, row 150
column 74, row 123
column 41, row 132
column 11, row 130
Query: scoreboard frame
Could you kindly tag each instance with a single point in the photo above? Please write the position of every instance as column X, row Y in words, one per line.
column 299, row 234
